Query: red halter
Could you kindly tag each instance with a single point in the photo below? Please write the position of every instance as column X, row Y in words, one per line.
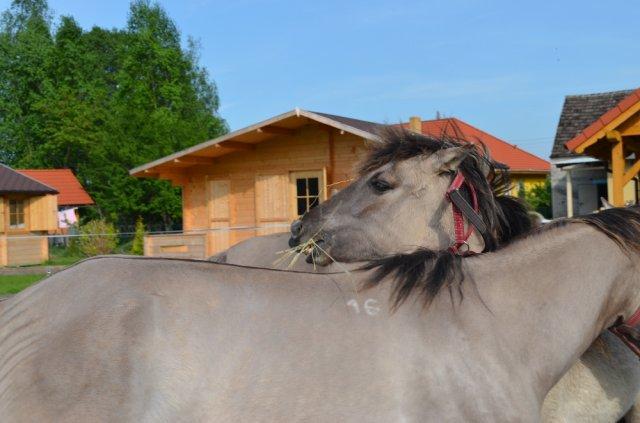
column 629, row 332
column 461, row 208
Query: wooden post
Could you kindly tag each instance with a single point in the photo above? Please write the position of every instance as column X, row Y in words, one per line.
column 332, row 161
column 617, row 167
column 569, row 194
column 4, row 247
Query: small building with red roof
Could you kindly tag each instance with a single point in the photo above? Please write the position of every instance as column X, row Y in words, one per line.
column 595, row 153
column 71, row 193
column 258, row 179
column 28, row 212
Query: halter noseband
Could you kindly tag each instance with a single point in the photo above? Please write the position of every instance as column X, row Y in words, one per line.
column 461, row 210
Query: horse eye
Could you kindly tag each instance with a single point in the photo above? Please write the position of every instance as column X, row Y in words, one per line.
column 380, row 186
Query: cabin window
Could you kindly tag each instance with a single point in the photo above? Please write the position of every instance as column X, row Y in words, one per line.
column 16, row 214
column 308, row 191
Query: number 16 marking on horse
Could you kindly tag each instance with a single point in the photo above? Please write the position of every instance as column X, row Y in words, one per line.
column 370, row 306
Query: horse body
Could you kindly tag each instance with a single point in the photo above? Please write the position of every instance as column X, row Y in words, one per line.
column 119, row 339
column 140, row 339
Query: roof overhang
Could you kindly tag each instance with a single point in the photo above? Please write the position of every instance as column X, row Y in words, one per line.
column 624, row 117
column 241, row 140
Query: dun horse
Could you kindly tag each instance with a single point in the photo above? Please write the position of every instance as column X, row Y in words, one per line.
column 482, row 338
column 399, row 204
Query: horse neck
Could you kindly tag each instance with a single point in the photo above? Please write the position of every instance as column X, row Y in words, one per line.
column 560, row 291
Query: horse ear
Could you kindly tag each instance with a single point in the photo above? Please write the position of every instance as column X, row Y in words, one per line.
column 449, row 159
column 605, row 204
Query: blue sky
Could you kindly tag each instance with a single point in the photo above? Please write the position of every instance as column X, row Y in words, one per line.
column 504, row 66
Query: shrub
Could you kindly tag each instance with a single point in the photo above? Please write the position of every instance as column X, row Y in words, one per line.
column 138, row 240
column 539, row 197
column 97, row 237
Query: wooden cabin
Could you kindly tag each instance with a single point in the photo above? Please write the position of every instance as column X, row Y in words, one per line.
column 596, row 152
column 27, row 208
column 257, row 180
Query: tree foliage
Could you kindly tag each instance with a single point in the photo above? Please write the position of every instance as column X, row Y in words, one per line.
column 101, row 102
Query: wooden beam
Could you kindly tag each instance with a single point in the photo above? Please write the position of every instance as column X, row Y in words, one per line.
column 193, row 160
column 236, row 145
column 632, row 172
column 631, row 127
column 331, row 174
column 276, row 130
column 177, row 179
column 617, row 167
column 624, row 116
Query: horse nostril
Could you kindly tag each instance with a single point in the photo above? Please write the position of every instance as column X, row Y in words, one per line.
column 296, row 227
column 294, row 242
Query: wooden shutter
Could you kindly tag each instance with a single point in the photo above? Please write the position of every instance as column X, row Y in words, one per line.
column 43, row 213
column 272, row 203
column 219, row 215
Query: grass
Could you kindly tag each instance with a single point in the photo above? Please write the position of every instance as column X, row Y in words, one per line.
column 12, row 284
column 63, row 256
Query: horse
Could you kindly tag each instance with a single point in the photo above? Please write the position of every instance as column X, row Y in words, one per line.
column 422, row 336
column 399, row 203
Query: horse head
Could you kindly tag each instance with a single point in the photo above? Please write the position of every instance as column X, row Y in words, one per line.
column 400, row 202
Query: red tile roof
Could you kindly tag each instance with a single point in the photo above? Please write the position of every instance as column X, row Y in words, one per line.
column 604, row 120
column 517, row 159
column 63, row 180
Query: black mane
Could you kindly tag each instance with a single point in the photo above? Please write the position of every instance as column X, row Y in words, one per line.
column 506, row 216
column 426, row 272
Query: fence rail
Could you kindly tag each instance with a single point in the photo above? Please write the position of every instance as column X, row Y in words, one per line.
column 54, row 249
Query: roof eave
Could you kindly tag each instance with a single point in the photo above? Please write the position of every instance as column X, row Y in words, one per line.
column 608, row 121
column 295, row 112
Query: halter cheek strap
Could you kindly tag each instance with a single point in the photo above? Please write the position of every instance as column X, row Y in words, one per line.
column 629, row 332
column 461, row 210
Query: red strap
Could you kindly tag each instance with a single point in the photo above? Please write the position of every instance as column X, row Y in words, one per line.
column 629, row 332
column 634, row 319
column 461, row 237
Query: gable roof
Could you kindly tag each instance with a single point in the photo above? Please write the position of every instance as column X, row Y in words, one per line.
column 501, row 151
column 257, row 133
column 512, row 156
column 71, row 191
column 364, row 125
column 578, row 113
column 12, row 182
column 608, row 120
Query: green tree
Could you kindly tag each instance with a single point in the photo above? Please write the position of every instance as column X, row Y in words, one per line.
column 25, row 45
column 102, row 102
column 539, row 197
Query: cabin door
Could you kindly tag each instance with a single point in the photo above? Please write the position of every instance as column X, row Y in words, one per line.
column 272, row 203
column 219, row 210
